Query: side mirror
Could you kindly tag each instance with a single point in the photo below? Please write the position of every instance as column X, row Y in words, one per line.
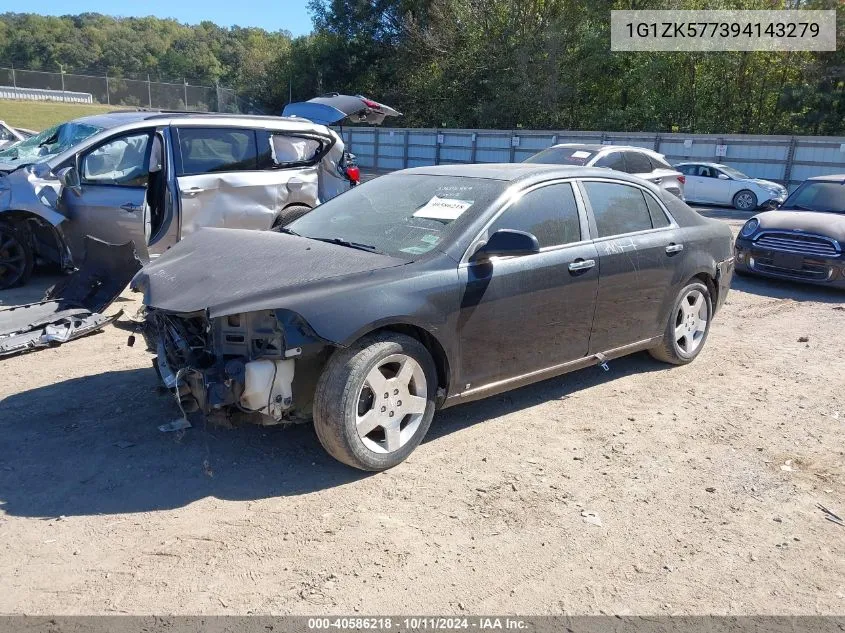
column 69, row 178
column 507, row 242
column 723, row 177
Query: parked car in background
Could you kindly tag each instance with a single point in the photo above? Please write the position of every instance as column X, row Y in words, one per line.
column 636, row 161
column 714, row 183
column 154, row 177
column 801, row 241
column 10, row 135
column 466, row 281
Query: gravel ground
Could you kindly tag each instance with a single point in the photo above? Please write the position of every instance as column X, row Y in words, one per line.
column 643, row 490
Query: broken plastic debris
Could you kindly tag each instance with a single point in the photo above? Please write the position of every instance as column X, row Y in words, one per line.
column 175, row 425
column 591, row 517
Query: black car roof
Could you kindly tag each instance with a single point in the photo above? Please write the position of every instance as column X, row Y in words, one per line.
column 518, row 171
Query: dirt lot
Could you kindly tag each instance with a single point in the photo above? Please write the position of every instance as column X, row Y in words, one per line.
column 705, row 480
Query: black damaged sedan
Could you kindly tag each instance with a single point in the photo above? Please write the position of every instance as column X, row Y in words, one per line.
column 428, row 288
column 801, row 241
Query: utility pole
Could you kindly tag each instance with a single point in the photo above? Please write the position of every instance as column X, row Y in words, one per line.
column 62, row 72
column 185, row 82
column 149, row 91
column 14, row 81
column 108, row 96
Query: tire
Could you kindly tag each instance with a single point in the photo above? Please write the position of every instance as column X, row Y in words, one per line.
column 16, row 256
column 684, row 324
column 289, row 214
column 745, row 200
column 345, row 399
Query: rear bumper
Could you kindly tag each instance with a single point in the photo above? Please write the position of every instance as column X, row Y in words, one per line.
column 814, row 269
column 724, row 277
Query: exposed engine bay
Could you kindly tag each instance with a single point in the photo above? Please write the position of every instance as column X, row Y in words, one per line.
column 237, row 368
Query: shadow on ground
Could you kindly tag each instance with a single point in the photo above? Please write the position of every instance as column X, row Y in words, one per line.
column 91, row 446
column 783, row 289
column 32, row 292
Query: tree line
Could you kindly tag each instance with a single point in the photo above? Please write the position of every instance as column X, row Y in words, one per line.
column 466, row 63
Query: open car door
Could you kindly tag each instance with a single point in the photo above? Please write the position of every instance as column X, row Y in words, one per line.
column 74, row 307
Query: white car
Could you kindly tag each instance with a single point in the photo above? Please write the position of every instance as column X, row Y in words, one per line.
column 714, row 183
column 637, row 161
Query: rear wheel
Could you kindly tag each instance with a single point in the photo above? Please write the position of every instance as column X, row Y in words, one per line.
column 375, row 400
column 289, row 214
column 687, row 327
column 745, row 200
column 16, row 258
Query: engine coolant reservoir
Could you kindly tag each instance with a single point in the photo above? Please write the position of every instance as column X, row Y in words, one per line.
column 267, row 386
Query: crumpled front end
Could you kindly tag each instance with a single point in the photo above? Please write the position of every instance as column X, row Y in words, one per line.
column 34, row 189
column 258, row 366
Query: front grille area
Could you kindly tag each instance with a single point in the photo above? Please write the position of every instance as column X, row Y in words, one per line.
column 809, row 270
column 797, row 243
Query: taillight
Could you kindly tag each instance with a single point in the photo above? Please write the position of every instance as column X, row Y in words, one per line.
column 682, row 180
column 354, row 174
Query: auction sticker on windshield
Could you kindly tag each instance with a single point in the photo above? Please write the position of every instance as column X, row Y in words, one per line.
column 443, row 208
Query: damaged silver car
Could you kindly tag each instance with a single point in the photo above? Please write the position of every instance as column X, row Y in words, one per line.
column 150, row 178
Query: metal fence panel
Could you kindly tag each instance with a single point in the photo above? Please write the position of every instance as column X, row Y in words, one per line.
column 784, row 159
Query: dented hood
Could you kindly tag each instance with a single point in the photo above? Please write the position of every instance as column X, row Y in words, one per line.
column 228, row 271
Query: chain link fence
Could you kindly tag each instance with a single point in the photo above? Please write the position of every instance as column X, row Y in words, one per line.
column 120, row 91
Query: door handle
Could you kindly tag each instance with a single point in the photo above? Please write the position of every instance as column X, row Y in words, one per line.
column 674, row 248
column 580, row 265
column 131, row 208
column 192, row 191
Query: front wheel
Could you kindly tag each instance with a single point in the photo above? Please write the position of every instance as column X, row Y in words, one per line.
column 289, row 214
column 16, row 258
column 375, row 400
column 745, row 200
column 687, row 327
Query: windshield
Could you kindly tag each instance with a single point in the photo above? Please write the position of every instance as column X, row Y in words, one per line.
column 815, row 195
column 402, row 215
column 50, row 142
column 562, row 156
column 733, row 173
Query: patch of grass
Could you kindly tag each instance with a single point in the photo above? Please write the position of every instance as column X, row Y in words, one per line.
column 39, row 115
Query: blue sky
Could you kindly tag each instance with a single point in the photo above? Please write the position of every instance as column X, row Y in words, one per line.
column 272, row 15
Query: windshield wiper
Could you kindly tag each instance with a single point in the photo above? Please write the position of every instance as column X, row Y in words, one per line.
column 287, row 231
column 341, row 242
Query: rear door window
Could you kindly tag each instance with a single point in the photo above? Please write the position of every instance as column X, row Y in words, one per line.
column 549, row 213
column 636, row 163
column 618, row 208
column 614, row 160
column 214, row 150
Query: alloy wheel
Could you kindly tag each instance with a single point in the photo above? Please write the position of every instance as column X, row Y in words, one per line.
column 12, row 258
column 745, row 201
column 691, row 321
column 391, row 403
